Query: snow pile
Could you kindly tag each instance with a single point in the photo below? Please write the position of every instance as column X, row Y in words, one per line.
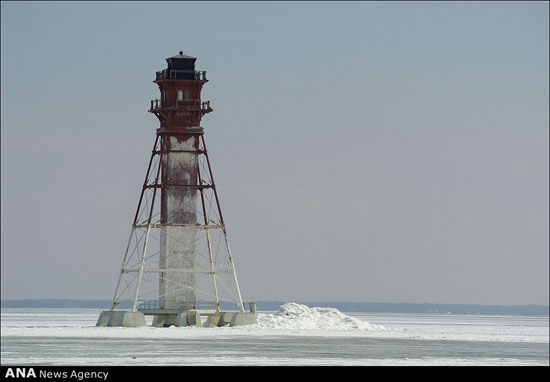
column 297, row 316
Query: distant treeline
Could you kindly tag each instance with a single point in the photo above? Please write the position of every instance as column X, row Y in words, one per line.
column 371, row 307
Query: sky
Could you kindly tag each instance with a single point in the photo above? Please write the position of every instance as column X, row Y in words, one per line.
column 362, row 151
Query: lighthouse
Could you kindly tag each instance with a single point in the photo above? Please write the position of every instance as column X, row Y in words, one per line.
column 179, row 111
column 178, row 266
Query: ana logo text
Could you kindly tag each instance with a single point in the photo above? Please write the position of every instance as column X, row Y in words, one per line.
column 20, row 372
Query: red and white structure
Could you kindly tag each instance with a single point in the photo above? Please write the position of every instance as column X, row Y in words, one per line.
column 178, row 263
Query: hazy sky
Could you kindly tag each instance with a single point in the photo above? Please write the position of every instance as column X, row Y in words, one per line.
column 381, row 152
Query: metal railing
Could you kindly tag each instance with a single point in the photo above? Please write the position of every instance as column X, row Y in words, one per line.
column 190, row 104
column 148, row 305
column 155, row 305
column 178, row 74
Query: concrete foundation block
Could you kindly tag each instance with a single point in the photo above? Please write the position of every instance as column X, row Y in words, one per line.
column 158, row 321
column 109, row 318
column 231, row 319
column 115, row 319
column 219, row 319
column 131, row 320
column 103, row 319
column 243, row 318
column 194, row 318
column 226, row 318
column 213, row 319
column 121, row 318
column 164, row 320
column 181, row 319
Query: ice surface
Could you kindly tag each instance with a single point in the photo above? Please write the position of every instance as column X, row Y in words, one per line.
column 291, row 318
column 294, row 335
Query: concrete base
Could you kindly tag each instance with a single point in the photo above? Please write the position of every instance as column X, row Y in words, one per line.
column 193, row 318
column 182, row 319
column 121, row 318
column 218, row 319
column 243, row 318
column 188, row 318
column 231, row 319
column 164, row 320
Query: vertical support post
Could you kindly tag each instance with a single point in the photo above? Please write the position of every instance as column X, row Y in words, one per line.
column 212, row 270
column 211, row 259
column 142, row 260
column 233, row 269
column 153, row 153
column 122, row 269
column 223, row 225
column 132, row 231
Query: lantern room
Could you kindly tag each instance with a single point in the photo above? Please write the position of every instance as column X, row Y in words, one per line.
column 180, row 85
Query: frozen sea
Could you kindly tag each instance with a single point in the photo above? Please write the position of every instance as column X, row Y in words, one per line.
column 294, row 335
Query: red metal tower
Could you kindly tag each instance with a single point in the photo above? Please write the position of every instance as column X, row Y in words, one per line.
column 193, row 266
column 179, row 111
